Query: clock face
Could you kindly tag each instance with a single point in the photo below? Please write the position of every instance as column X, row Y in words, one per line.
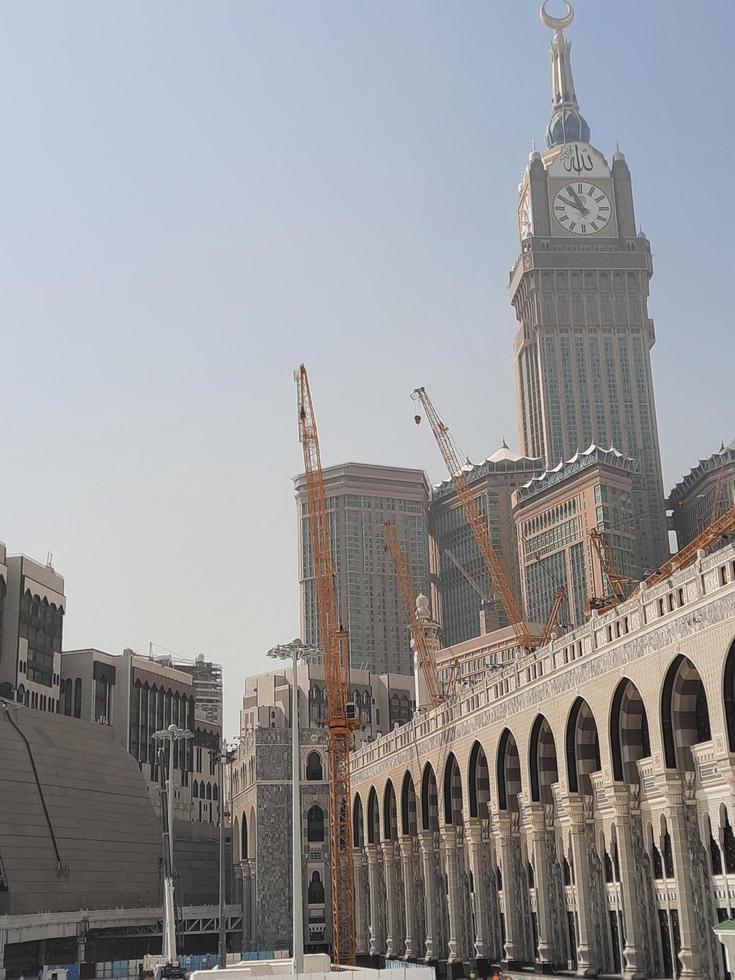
column 524, row 216
column 582, row 208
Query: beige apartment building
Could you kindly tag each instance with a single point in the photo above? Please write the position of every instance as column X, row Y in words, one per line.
column 360, row 497
column 555, row 513
column 32, row 608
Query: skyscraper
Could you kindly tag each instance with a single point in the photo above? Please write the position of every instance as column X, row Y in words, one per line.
column 360, row 498
column 580, row 291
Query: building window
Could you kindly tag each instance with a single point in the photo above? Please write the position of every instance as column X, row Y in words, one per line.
column 316, row 890
column 315, row 824
column 78, row 698
column 314, row 767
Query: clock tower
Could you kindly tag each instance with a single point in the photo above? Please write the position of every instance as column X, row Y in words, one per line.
column 580, row 291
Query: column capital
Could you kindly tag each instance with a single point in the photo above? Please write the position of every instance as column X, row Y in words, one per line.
column 473, row 830
column 405, row 845
column 389, row 848
column 448, row 835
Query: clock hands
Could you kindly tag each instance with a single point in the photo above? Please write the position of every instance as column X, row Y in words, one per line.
column 577, row 206
column 580, row 204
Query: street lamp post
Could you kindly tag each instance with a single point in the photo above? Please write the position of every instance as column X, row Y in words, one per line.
column 221, row 756
column 296, row 650
column 171, row 734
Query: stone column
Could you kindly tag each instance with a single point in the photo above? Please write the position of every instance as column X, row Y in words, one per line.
column 405, row 845
column 360, row 902
column 376, row 938
column 3, row 938
column 431, row 899
column 689, row 954
column 534, row 818
column 477, row 858
column 633, row 969
column 513, row 949
column 586, row 953
column 391, row 912
column 247, row 906
column 449, row 850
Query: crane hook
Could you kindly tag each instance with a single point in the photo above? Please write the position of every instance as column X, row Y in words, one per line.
column 417, row 419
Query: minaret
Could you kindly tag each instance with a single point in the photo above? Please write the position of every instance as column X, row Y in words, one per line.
column 580, row 289
column 433, row 641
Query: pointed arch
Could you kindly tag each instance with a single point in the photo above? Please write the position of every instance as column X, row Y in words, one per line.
column 542, row 760
column 315, row 824
column 629, row 735
column 729, row 695
column 684, row 713
column 429, row 799
column 409, row 823
column 453, row 802
column 358, row 826
column 508, row 771
column 314, row 770
column 479, row 782
column 373, row 817
column 390, row 812
column 583, row 748
column 236, row 841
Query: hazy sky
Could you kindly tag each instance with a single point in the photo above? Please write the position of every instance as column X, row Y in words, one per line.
column 199, row 195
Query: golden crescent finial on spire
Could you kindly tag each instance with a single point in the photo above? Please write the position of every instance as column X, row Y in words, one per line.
column 557, row 23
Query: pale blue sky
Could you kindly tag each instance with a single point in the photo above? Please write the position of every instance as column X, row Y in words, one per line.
column 197, row 196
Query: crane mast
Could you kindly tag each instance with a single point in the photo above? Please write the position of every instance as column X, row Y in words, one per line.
column 340, row 720
column 477, row 524
column 423, row 653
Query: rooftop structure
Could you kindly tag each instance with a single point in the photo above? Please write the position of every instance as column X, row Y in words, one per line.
column 704, row 494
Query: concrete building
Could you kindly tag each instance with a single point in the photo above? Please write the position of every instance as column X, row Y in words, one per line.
column 573, row 810
column 461, row 588
column 704, row 494
column 80, row 848
column 580, row 288
column 555, row 513
column 261, row 794
column 136, row 696
column 207, row 677
column 32, row 623
column 360, row 498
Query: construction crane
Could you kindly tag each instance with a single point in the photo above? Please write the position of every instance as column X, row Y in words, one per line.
column 466, row 575
column 553, row 616
column 474, row 519
column 423, row 653
column 722, row 527
column 616, row 583
column 341, row 720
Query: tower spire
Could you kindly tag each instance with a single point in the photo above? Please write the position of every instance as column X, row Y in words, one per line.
column 567, row 123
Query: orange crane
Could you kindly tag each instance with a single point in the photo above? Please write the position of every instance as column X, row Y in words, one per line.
column 341, row 721
column 476, row 522
column 722, row 527
column 616, row 583
column 553, row 616
column 425, row 659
